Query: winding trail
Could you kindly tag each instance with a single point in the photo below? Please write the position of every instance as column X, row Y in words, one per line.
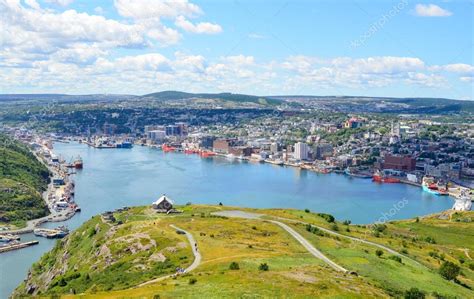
column 309, row 246
column 194, row 265
column 248, row 215
column 388, row 249
column 306, row 244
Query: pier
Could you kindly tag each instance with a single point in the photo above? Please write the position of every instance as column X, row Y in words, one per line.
column 15, row 246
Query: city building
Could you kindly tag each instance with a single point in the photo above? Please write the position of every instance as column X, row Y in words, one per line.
column 301, row 151
column 399, row 162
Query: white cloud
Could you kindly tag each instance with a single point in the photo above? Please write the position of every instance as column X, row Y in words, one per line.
column 431, row 10
column 59, row 2
column 30, row 33
column 155, row 9
column 200, row 28
column 461, row 68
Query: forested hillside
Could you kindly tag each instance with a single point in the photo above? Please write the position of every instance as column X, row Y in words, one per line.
column 22, row 180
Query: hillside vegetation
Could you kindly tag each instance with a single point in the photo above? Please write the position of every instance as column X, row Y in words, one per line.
column 112, row 259
column 22, row 180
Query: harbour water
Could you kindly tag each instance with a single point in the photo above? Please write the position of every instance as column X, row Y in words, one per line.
column 113, row 178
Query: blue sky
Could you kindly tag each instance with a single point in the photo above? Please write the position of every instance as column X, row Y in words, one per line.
column 374, row 48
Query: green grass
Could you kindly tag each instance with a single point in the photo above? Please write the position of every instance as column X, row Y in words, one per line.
column 22, row 180
column 293, row 272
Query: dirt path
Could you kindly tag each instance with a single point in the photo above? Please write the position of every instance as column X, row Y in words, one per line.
column 194, row 265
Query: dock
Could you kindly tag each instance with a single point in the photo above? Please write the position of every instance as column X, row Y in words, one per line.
column 16, row 246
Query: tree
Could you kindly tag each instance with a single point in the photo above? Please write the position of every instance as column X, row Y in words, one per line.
column 263, row 267
column 234, row 266
column 414, row 293
column 378, row 252
column 449, row 270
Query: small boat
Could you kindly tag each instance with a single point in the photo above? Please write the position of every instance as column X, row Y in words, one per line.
column 8, row 238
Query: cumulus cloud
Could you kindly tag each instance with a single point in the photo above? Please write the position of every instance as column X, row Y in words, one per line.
column 431, row 10
column 200, row 28
column 43, row 34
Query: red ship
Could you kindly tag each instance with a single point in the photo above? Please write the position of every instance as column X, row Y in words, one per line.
column 78, row 164
column 189, row 151
column 379, row 178
column 207, row 154
column 167, row 148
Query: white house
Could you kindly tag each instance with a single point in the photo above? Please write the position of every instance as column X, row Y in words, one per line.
column 163, row 203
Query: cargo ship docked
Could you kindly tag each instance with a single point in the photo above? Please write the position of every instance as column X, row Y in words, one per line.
column 431, row 186
column 379, row 177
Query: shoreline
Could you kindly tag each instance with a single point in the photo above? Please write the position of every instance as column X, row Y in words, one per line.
column 53, row 216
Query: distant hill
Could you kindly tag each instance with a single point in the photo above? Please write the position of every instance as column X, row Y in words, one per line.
column 232, row 97
column 384, row 104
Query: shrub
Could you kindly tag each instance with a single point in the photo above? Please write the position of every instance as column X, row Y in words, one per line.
column 254, row 227
column 306, row 210
column 471, row 266
column 234, row 266
column 404, row 251
column 192, row 280
column 263, row 267
column 395, row 258
column 430, row 240
column 346, row 222
column 329, row 218
column 156, row 296
column 449, row 270
column 379, row 227
column 378, row 252
column 414, row 293
column 334, row 227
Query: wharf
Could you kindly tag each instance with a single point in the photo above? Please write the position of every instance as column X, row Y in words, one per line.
column 17, row 246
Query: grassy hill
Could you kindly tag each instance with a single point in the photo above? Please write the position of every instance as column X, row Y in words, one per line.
column 230, row 97
column 104, row 259
column 22, row 180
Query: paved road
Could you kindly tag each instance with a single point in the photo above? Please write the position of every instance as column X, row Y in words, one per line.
column 197, row 254
column 194, row 265
column 242, row 214
column 306, row 244
column 388, row 249
column 309, row 246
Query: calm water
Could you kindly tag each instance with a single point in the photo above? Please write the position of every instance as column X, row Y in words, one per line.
column 113, row 178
